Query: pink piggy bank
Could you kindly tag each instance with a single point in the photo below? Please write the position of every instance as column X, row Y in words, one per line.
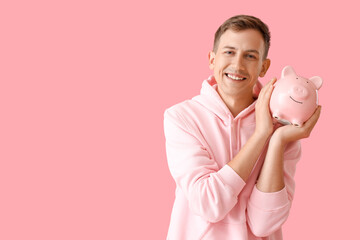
column 294, row 98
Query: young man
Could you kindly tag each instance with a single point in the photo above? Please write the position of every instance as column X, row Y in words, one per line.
column 234, row 169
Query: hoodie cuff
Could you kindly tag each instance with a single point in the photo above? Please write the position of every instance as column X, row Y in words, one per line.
column 269, row 200
column 232, row 179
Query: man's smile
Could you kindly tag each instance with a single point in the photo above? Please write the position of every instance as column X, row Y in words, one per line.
column 236, row 77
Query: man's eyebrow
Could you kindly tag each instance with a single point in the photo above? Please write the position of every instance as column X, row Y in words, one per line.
column 230, row 47
column 249, row 50
column 253, row 50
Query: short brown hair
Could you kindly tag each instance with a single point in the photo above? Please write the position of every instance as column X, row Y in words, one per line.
column 242, row 22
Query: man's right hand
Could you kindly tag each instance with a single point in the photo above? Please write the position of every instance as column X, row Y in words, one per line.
column 264, row 121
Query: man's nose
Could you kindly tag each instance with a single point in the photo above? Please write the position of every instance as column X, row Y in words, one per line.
column 239, row 63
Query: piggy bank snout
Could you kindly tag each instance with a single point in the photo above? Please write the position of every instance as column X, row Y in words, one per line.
column 299, row 92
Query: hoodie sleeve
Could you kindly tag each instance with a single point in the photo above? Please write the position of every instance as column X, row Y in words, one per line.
column 266, row 212
column 211, row 192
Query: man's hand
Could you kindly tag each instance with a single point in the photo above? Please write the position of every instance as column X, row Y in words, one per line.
column 264, row 121
column 289, row 133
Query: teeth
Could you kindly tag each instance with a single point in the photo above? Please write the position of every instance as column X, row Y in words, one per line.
column 234, row 77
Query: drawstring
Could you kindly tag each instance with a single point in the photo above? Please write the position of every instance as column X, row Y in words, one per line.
column 237, row 134
column 230, row 131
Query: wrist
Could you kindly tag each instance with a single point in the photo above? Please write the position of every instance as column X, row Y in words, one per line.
column 261, row 136
column 277, row 141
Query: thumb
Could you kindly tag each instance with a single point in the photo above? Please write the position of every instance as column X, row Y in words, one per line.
column 257, row 88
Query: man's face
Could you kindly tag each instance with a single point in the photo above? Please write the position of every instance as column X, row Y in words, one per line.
column 238, row 62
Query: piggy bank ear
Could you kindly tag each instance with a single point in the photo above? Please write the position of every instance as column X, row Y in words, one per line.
column 317, row 81
column 287, row 71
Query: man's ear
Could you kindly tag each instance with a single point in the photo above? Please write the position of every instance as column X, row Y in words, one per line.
column 211, row 57
column 265, row 66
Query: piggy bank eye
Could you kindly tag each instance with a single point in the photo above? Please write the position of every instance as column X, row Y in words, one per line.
column 307, row 81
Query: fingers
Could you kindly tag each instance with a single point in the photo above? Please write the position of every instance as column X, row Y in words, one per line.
column 314, row 118
column 264, row 121
column 310, row 124
column 266, row 91
column 257, row 88
column 291, row 133
column 270, row 84
column 272, row 81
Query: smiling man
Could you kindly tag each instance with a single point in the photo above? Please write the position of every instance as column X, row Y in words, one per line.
column 234, row 169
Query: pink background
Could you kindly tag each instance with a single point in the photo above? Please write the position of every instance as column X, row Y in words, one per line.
column 83, row 88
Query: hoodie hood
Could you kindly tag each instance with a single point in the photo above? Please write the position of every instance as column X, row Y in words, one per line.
column 210, row 99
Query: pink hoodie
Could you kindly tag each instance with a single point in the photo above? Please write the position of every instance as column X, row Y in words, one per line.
column 212, row 200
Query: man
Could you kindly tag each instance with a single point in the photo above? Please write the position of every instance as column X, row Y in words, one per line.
column 234, row 169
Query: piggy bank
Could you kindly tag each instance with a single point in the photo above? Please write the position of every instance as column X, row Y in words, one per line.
column 294, row 98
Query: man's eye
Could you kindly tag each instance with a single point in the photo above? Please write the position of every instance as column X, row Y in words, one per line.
column 251, row 56
column 229, row 52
